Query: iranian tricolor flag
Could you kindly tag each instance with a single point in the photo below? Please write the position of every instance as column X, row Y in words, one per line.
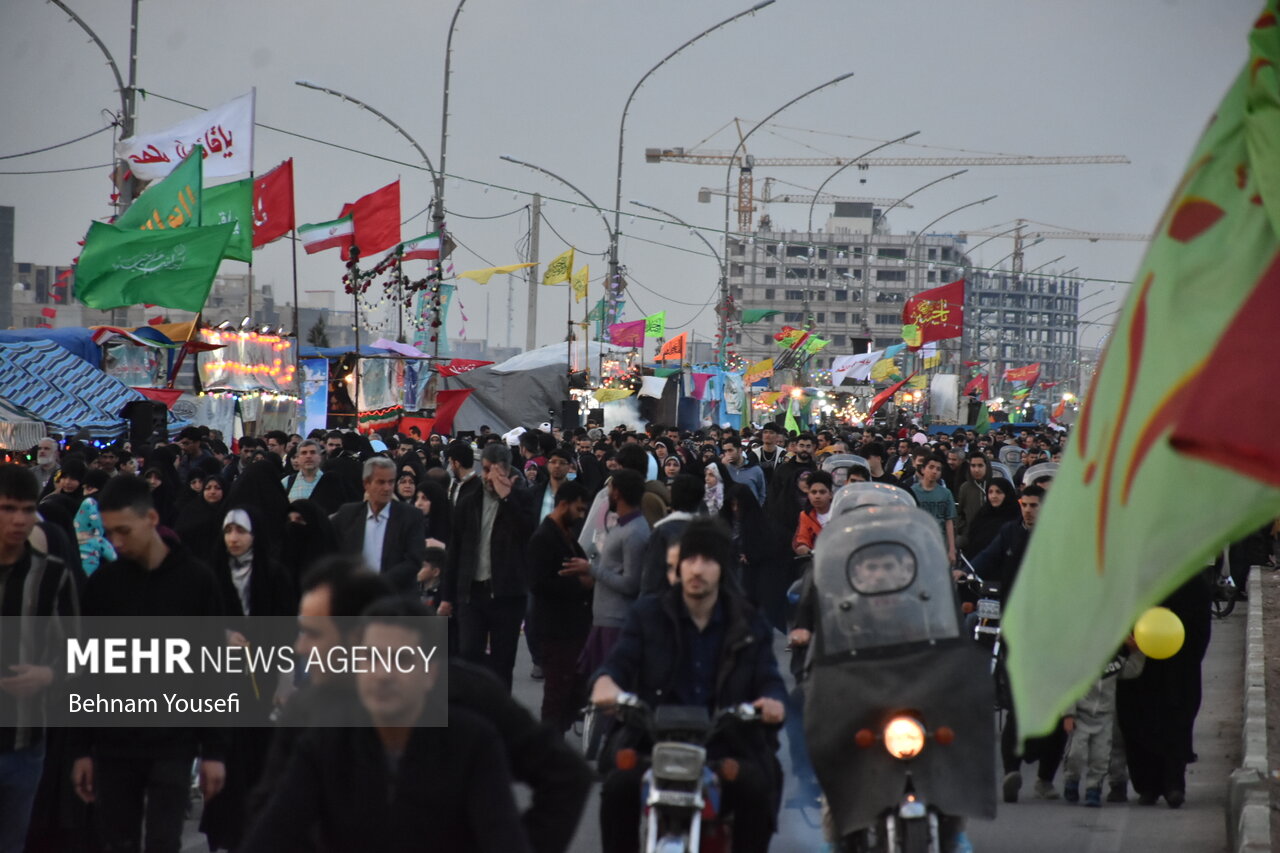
column 425, row 248
column 326, row 235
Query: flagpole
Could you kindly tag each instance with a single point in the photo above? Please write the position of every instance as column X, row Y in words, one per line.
column 568, row 341
column 353, row 268
column 297, row 333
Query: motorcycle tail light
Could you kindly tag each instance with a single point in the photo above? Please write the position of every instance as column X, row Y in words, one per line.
column 967, row 607
column 864, row 738
column 729, row 769
column 626, row 759
column 945, row 735
column 904, row 737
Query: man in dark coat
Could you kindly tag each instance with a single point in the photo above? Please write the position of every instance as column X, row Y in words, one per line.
column 699, row 644
column 388, row 534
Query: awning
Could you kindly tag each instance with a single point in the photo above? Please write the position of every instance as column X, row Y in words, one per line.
column 43, row 382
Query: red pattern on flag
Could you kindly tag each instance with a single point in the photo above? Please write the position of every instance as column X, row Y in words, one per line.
column 459, row 366
column 1028, row 374
column 674, row 348
column 49, row 312
column 168, row 396
column 376, row 218
column 938, row 314
column 886, row 395
column 980, row 383
column 273, row 204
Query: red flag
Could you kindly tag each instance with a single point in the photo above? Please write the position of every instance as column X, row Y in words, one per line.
column 627, row 334
column 673, row 348
column 1028, row 374
column 1059, row 410
column 458, row 366
column 886, row 395
column 168, row 396
column 980, row 383
column 972, row 363
column 447, row 405
column 376, row 218
column 49, row 312
column 937, row 314
column 1045, row 386
column 273, row 204
column 156, row 320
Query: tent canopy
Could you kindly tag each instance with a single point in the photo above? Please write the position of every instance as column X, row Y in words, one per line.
column 75, row 340
column 42, row 381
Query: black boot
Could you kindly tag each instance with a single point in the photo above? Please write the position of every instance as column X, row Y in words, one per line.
column 1119, row 793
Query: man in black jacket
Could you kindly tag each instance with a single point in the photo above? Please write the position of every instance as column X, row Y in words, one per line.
column 485, row 577
column 699, row 644
column 389, row 534
column 561, row 602
column 138, row 775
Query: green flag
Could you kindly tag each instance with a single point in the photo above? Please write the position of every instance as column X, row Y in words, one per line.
column 790, row 422
column 170, row 203
column 655, row 325
column 815, row 344
column 664, row 372
column 232, row 202
column 982, row 423
column 1152, row 486
column 170, row 268
column 755, row 315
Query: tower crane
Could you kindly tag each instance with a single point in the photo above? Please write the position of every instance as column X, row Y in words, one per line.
column 1020, row 235
column 747, row 162
column 767, row 197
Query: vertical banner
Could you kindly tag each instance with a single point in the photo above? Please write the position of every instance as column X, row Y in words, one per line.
column 315, row 394
column 944, row 401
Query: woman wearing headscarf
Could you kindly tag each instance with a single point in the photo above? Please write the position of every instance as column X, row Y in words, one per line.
column 308, row 537
column 255, row 585
column 259, row 486
column 432, row 500
column 763, row 560
column 1001, row 507
column 68, row 488
column 715, row 479
column 164, row 459
column 199, row 522
column 408, row 472
column 672, row 467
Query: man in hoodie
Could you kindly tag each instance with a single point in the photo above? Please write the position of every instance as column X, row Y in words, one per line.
column 741, row 469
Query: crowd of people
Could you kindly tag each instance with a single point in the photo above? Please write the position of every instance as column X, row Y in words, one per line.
column 654, row 561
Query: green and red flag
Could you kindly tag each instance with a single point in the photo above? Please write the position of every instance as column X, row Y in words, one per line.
column 1151, row 488
column 934, row 315
column 173, row 268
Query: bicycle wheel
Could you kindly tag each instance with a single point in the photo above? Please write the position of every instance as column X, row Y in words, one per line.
column 1224, row 598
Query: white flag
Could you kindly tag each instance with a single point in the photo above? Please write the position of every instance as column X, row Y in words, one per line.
column 226, row 132
column 857, row 367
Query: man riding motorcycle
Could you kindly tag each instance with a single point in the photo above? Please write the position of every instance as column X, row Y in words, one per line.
column 698, row 643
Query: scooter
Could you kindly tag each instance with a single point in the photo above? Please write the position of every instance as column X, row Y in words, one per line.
column 681, row 790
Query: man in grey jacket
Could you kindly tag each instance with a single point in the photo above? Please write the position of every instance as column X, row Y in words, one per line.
column 741, row 469
column 618, row 568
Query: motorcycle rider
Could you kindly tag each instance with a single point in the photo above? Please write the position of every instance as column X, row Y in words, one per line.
column 699, row 643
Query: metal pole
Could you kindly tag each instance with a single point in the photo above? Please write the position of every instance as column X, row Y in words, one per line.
column 437, row 215
column 622, row 128
column 531, row 324
column 297, row 332
column 353, row 268
column 728, row 173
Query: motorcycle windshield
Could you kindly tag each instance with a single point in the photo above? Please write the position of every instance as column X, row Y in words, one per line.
column 881, row 579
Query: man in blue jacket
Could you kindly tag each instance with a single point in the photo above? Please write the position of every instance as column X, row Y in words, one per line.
column 699, row 644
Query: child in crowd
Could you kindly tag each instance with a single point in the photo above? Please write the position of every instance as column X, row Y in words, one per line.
column 1090, row 721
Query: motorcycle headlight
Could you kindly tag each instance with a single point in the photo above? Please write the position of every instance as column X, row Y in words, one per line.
column 678, row 762
column 904, row 737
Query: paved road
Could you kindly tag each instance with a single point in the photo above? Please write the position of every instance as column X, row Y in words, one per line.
column 1031, row 825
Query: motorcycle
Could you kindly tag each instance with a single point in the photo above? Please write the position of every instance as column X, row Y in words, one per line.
column 681, row 790
column 898, row 701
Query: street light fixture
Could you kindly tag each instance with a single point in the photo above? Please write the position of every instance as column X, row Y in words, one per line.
column 622, row 128
column 857, row 159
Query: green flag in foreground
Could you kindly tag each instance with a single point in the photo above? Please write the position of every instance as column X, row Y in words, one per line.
column 173, row 202
column 1139, row 506
column 233, row 203
column 755, row 315
column 171, row 268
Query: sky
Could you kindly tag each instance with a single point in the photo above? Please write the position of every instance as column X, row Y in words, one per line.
column 545, row 82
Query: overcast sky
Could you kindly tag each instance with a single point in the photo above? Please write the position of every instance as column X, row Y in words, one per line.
column 545, row 82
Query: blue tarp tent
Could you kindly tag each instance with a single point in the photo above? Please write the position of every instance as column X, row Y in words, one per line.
column 75, row 340
column 45, row 382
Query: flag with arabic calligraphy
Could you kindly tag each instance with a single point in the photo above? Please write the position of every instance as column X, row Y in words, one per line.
column 934, row 315
column 232, row 203
column 560, row 269
column 171, row 268
column 174, row 202
column 273, row 204
column 225, row 133
column 580, row 281
column 1150, row 488
column 1028, row 374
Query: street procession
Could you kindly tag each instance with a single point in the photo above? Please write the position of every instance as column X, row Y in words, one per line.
column 526, row 488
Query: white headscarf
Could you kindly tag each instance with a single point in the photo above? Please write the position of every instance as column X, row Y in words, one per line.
column 242, row 566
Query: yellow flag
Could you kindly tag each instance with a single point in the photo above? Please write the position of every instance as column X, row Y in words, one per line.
column 883, row 369
column 758, row 371
column 560, row 269
column 930, row 362
column 580, row 278
column 608, row 395
column 483, row 276
column 769, row 398
column 918, row 383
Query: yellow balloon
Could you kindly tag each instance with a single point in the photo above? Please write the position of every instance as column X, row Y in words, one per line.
column 1159, row 633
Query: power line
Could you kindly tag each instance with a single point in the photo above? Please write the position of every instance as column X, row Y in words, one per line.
column 61, row 171
column 576, row 250
column 59, row 145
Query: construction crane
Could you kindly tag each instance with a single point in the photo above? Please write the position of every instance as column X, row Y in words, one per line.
column 766, row 197
column 747, row 162
column 1020, row 235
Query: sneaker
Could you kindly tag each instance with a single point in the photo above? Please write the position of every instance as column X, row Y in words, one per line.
column 536, row 673
column 1012, row 784
column 1175, row 799
column 1045, row 790
column 1071, row 790
column 1118, row 793
column 1093, row 798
